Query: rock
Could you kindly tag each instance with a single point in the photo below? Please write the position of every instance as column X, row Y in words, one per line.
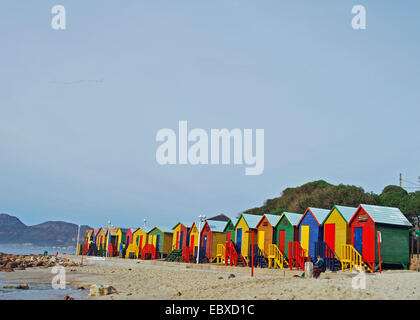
column 231, row 276
column 220, row 278
column 81, row 288
column 23, row 286
column 68, row 298
column 101, row 290
column 177, row 294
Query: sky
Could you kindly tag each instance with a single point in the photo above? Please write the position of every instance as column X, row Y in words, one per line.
column 80, row 108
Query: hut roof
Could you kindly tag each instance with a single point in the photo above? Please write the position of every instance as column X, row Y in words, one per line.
column 293, row 218
column 113, row 230
column 186, row 225
column 220, row 217
column 272, row 218
column 386, row 215
column 124, row 230
column 217, row 226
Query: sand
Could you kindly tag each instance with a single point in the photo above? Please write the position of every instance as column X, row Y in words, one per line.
column 166, row 280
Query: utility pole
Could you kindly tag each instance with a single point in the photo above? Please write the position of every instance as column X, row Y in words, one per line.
column 400, row 180
column 78, row 235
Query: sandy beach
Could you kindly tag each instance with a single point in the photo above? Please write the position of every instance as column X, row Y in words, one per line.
column 171, row 280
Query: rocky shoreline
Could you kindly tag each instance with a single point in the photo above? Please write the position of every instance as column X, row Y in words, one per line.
column 12, row 262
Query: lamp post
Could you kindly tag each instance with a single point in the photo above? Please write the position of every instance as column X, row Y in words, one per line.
column 201, row 219
column 144, row 224
column 107, row 238
column 252, row 252
column 78, row 235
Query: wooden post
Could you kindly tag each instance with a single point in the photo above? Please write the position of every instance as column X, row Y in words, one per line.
column 252, row 252
column 379, row 251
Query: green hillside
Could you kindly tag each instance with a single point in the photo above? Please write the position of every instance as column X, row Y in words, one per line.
column 322, row 194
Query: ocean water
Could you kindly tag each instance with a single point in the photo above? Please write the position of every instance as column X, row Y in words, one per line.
column 30, row 249
column 37, row 291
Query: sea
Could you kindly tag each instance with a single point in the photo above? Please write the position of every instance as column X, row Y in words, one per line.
column 37, row 291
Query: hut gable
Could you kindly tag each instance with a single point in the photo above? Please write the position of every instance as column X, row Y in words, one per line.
column 318, row 213
column 292, row 218
column 251, row 220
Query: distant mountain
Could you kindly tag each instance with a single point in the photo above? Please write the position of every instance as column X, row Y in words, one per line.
column 50, row 233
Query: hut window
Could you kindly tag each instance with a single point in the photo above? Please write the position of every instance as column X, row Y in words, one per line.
column 285, row 223
column 265, row 224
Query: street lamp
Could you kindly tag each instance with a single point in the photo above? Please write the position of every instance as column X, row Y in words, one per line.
column 201, row 219
column 144, row 224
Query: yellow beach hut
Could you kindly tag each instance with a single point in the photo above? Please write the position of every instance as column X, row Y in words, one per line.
column 180, row 236
column 101, row 241
column 193, row 238
column 337, row 229
column 243, row 239
column 139, row 239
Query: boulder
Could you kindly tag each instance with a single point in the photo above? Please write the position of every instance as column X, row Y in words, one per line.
column 101, row 290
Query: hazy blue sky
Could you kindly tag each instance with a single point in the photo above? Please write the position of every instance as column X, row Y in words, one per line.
column 80, row 108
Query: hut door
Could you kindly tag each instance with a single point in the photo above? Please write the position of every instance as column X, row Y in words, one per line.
column 177, row 240
column 229, row 236
column 239, row 240
column 261, row 238
column 192, row 243
column 181, row 241
column 330, row 235
column 358, row 239
column 204, row 245
column 157, row 242
column 282, row 240
column 304, row 238
column 141, row 242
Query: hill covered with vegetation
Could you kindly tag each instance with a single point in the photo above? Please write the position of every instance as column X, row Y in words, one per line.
column 321, row 194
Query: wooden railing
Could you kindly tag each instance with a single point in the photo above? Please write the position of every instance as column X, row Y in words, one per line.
column 296, row 255
column 350, row 257
column 221, row 253
column 275, row 257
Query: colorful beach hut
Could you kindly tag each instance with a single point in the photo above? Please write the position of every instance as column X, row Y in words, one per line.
column 136, row 239
column 243, row 240
column 311, row 230
column 129, row 236
column 111, row 241
column 394, row 233
column 265, row 229
column 286, row 230
column 180, row 236
column 161, row 240
column 193, row 238
column 212, row 234
column 121, row 238
column 230, row 230
column 336, row 228
column 101, row 241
